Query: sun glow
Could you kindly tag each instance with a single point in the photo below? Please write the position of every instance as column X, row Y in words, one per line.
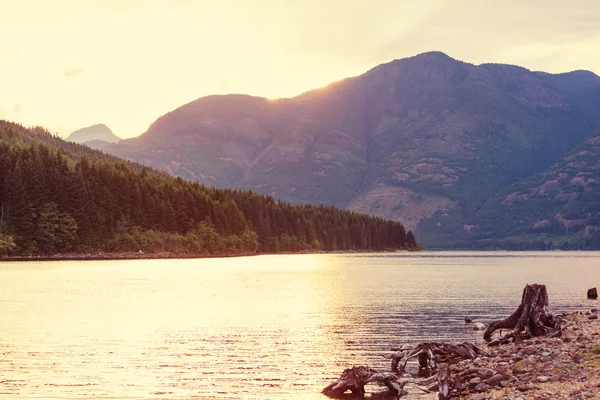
column 157, row 56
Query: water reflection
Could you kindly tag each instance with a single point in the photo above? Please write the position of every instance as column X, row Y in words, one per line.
column 254, row 327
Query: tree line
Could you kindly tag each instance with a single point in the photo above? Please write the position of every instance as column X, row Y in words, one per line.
column 59, row 197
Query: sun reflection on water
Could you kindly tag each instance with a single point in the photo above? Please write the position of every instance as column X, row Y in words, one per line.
column 249, row 327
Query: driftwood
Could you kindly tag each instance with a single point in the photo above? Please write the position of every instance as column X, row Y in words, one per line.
column 532, row 317
column 432, row 353
column 354, row 379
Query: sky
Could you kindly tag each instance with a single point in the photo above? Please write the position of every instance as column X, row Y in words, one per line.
column 68, row 64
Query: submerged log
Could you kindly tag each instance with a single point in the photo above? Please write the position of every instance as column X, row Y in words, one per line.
column 432, row 353
column 531, row 317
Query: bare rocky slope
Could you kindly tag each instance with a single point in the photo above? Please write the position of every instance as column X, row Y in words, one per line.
column 419, row 140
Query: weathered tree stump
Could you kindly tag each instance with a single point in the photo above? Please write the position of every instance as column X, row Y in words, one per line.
column 432, row 353
column 592, row 294
column 532, row 317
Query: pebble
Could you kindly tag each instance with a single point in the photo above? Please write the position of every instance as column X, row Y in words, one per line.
column 477, row 396
column 474, row 382
column 543, row 378
column 520, row 367
column 482, row 387
column 495, row 380
column 478, row 326
column 525, row 387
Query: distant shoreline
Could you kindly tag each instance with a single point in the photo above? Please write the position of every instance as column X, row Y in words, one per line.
column 165, row 256
column 118, row 256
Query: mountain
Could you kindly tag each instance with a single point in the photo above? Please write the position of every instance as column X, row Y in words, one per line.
column 97, row 136
column 557, row 208
column 407, row 140
column 58, row 197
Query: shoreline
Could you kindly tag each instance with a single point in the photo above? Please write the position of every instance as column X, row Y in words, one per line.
column 164, row 256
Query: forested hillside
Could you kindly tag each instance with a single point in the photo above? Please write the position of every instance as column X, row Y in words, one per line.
column 59, row 197
column 558, row 208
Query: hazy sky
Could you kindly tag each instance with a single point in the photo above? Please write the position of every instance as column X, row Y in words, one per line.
column 67, row 64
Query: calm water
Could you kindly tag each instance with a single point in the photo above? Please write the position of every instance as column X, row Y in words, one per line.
column 266, row 327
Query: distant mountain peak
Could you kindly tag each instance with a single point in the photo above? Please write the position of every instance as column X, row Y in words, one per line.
column 96, row 132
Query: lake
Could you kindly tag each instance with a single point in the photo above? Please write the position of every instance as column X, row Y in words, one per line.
column 264, row 327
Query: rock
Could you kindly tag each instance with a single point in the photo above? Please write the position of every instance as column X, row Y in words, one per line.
column 594, row 310
column 478, row 326
column 482, row 387
column 520, row 367
column 477, row 396
column 543, row 379
column 531, row 349
column 593, row 316
column 495, row 380
column 474, row 382
column 468, row 320
column 592, row 293
column 524, row 387
column 485, row 372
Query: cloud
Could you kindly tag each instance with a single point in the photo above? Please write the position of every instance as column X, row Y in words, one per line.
column 72, row 73
column 510, row 31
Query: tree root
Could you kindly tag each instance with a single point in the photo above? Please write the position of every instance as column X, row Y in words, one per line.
column 433, row 353
column 354, row 380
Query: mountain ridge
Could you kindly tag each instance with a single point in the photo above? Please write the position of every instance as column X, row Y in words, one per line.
column 442, row 133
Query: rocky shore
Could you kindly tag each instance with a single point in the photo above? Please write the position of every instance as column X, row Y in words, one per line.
column 566, row 367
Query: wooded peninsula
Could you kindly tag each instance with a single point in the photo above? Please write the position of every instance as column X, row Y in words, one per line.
column 58, row 197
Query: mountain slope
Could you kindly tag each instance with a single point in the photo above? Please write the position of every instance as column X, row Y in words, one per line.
column 558, row 208
column 440, row 134
column 58, row 197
